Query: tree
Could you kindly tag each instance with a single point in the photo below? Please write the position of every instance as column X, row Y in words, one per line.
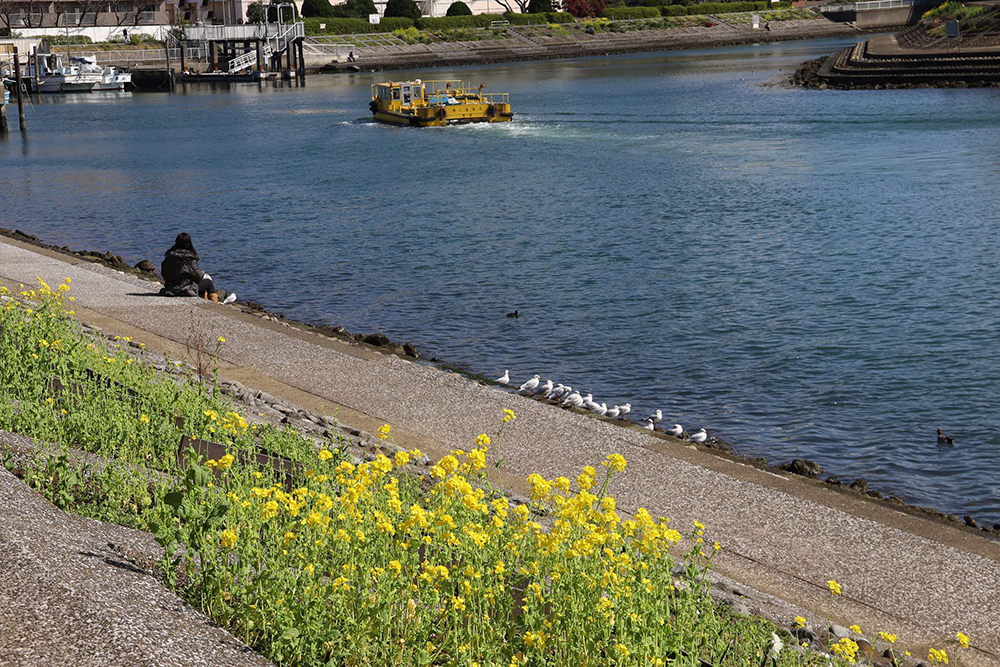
column 584, row 8
column 458, row 9
column 355, row 9
column 256, row 12
column 402, row 8
column 317, row 8
column 540, row 6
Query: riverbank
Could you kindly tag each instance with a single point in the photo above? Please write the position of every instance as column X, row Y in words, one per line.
column 784, row 534
column 380, row 343
column 719, row 33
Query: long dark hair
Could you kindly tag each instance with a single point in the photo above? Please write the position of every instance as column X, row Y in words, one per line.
column 183, row 242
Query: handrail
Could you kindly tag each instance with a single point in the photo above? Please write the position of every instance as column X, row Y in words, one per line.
column 866, row 6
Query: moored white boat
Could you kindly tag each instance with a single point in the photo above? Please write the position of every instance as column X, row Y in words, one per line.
column 82, row 75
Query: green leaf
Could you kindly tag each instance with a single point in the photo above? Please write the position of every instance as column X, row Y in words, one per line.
column 174, row 499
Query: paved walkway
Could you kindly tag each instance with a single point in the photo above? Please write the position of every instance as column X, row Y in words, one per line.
column 783, row 535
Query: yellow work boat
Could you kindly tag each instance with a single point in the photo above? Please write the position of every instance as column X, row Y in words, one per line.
column 437, row 103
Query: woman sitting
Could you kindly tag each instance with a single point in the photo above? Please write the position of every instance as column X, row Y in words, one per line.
column 181, row 275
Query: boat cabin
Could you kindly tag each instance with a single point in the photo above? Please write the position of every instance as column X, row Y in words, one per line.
column 401, row 94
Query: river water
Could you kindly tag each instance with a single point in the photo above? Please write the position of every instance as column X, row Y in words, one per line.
column 807, row 274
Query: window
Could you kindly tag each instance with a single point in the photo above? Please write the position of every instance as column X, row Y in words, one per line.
column 406, row 95
column 395, row 93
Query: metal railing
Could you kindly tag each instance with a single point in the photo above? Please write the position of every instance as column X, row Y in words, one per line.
column 250, row 31
column 249, row 59
column 866, row 6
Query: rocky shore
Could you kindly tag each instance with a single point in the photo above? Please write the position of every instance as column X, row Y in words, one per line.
column 810, row 75
column 381, row 343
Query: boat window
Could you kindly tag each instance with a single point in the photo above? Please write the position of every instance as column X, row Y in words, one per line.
column 418, row 92
column 406, row 95
column 395, row 93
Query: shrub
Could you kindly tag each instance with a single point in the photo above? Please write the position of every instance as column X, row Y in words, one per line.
column 358, row 9
column 674, row 10
column 584, row 8
column 455, row 22
column 402, row 8
column 621, row 13
column 339, row 26
column 256, row 13
column 316, row 8
column 459, row 9
column 530, row 19
column 561, row 17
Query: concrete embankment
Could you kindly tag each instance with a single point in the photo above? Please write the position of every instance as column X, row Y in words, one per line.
column 537, row 44
column 782, row 535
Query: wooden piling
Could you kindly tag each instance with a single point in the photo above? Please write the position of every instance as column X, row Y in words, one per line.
column 183, row 56
column 34, row 68
column 19, row 85
column 260, row 58
column 170, row 72
column 302, row 62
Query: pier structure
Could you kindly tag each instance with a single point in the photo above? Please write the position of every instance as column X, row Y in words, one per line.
column 245, row 51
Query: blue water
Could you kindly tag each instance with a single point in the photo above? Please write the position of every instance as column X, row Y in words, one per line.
column 808, row 274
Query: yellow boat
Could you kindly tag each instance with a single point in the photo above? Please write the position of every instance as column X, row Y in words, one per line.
column 437, row 103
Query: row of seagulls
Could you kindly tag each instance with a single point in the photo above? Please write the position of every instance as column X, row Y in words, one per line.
column 570, row 397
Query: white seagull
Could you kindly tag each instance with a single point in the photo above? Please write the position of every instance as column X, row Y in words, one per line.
column 613, row 412
column 530, row 385
column 505, row 379
column 560, row 391
column 656, row 416
column 588, row 401
column 627, row 408
column 544, row 389
column 599, row 408
column 649, row 425
column 677, row 431
column 230, row 298
column 700, row 436
column 574, row 400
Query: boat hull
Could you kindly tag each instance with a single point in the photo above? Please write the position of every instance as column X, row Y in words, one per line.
column 451, row 116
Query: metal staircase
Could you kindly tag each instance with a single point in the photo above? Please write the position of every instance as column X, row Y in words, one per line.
column 249, row 59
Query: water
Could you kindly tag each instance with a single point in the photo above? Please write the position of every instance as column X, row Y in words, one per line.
column 808, row 274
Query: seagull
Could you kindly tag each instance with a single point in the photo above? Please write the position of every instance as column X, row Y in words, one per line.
column 505, row 379
column 599, row 408
column 588, row 401
column 556, row 391
column 514, row 314
column 656, row 416
column 544, row 389
column 945, row 439
column 613, row 413
column 649, row 425
column 574, row 400
column 530, row 385
column 700, row 436
column 627, row 408
column 677, row 431
column 230, row 298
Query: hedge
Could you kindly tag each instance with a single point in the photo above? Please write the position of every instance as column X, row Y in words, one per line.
column 539, row 19
column 452, row 22
column 721, row 8
column 354, row 26
column 622, row 13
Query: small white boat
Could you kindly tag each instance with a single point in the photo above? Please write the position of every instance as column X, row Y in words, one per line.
column 82, row 75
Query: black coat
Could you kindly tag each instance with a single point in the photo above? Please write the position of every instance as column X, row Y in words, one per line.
column 181, row 274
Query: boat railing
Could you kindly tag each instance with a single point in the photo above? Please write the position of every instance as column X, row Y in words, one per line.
column 441, row 95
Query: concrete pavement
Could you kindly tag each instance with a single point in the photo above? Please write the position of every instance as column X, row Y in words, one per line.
column 781, row 534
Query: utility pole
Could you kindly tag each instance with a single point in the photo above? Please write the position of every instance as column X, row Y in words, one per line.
column 18, row 85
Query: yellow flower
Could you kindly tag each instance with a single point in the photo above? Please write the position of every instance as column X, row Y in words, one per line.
column 833, row 586
column 482, row 440
column 395, row 566
column 888, row 636
column 963, row 639
column 383, row 431
column 143, row 419
column 325, row 455
column 616, row 462
column 938, row 656
column 226, row 462
column 401, row 459
column 212, row 414
column 508, row 415
column 717, row 546
column 43, row 343
column 800, row 622
column 309, row 569
column 228, row 539
column 855, row 628
column 221, row 339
